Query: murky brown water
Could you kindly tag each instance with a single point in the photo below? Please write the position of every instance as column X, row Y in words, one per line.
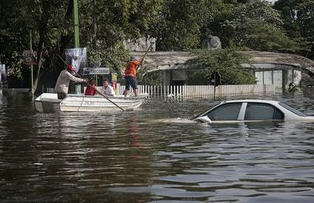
column 142, row 156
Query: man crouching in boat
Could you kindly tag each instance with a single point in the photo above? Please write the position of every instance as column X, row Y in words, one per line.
column 63, row 81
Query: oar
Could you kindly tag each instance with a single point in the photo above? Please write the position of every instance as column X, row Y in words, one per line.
column 102, row 94
column 141, row 61
column 95, row 88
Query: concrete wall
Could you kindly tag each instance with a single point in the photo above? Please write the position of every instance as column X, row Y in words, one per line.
column 279, row 78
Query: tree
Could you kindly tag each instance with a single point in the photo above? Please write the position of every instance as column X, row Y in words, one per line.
column 46, row 20
column 216, row 26
column 115, row 21
column 298, row 18
column 225, row 61
column 177, row 25
column 12, row 43
column 257, row 26
column 180, row 23
column 52, row 28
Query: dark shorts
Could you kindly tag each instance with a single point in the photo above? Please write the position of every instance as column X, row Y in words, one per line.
column 61, row 95
column 130, row 81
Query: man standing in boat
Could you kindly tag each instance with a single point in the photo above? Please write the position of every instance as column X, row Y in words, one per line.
column 130, row 75
column 63, row 81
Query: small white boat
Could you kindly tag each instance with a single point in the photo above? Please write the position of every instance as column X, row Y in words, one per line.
column 49, row 102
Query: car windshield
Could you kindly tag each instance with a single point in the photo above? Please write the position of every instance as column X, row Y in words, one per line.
column 213, row 105
column 292, row 109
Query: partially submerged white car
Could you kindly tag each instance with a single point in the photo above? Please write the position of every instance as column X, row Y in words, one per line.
column 251, row 111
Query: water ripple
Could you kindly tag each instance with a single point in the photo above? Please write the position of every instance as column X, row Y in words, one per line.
column 151, row 156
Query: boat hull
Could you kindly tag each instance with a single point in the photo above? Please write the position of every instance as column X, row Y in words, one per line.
column 48, row 103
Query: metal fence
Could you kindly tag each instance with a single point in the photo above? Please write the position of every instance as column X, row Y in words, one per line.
column 200, row 90
column 185, row 91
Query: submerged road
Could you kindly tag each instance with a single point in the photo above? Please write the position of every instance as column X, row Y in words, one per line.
column 144, row 156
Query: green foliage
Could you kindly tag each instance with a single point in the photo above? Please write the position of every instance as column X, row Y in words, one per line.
column 151, row 78
column 103, row 27
column 115, row 58
column 177, row 25
column 227, row 62
column 216, row 26
column 12, row 42
column 181, row 21
column 109, row 22
column 44, row 19
column 258, row 26
column 298, row 18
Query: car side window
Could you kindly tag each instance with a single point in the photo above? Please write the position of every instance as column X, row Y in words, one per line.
column 258, row 111
column 225, row 112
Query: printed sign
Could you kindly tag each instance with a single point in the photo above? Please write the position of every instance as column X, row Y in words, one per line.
column 77, row 57
column 29, row 57
column 3, row 76
column 96, row 71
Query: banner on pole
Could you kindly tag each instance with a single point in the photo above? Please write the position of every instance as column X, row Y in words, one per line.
column 77, row 57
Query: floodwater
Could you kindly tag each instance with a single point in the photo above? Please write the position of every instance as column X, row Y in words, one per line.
column 151, row 156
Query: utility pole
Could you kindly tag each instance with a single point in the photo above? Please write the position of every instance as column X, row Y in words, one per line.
column 78, row 88
column 76, row 24
column 95, row 24
column 95, row 32
column 32, row 69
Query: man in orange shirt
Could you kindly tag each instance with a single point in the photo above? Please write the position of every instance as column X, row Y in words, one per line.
column 130, row 75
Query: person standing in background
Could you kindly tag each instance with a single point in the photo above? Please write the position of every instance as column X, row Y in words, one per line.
column 130, row 75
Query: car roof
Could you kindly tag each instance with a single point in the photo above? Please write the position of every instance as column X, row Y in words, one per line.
column 250, row 100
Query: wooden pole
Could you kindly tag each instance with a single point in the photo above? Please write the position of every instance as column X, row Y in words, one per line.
column 32, row 68
column 76, row 24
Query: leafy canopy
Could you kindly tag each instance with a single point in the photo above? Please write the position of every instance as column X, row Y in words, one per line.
column 256, row 25
column 226, row 61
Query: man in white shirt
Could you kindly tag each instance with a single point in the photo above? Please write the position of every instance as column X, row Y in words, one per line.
column 107, row 89
column 63, row 81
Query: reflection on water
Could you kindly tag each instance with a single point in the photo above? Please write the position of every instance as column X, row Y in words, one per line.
column 143, row 156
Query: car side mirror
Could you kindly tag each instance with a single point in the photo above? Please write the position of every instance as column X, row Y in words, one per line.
column 203, row 119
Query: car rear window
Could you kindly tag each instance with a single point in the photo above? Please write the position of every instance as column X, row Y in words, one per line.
column 292, row 109
column 262, row 111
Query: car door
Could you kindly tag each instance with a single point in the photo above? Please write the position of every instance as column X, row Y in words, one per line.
column 225, row 113
column 256, row 112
